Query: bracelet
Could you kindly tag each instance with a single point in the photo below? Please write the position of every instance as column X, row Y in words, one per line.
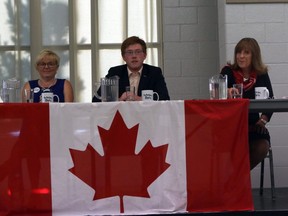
column 264, row 121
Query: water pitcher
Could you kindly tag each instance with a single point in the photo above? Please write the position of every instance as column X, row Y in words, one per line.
column 10, row 91
column 109, row 89
column 218, row 86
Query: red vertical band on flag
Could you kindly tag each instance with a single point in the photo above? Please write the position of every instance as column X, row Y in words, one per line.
column 217, row 156
column 25, row 183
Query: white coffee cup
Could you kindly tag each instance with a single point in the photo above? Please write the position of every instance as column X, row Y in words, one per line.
column 147, row 95
column 261, row 93
column 48, row 97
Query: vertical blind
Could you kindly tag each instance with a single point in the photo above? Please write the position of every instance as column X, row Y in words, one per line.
column 87, row 35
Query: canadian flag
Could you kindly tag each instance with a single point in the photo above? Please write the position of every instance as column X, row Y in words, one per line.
column 124, row 157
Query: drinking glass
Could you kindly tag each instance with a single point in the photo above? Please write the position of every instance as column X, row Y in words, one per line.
column 29, row 95
column 130, row 92
column 237, row 90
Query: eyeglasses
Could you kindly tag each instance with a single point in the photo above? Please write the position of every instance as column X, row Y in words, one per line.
column 136, row 52
column 48, row 65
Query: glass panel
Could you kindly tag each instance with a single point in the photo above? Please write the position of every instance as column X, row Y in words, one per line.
column 83, row 21
column 25, row 67
column 25, row 22
column 142, row 19
column 8, row 35
column 107, row 59
column 55, row 22
column 8, row 64
column 111, row 17
column 83, row 77
column 64, row 69
column 152, row 56
column 8, row 68
column 7, row 23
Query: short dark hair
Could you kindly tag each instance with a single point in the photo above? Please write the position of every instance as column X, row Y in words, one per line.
column 131, row 41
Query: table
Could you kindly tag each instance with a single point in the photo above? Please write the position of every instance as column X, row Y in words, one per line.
column 124, row 157
column 273, row 105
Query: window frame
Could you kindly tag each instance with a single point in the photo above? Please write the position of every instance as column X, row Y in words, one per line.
column 36, row 41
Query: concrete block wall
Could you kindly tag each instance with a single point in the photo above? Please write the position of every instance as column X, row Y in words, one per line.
column 199, row 38
column 190, row 46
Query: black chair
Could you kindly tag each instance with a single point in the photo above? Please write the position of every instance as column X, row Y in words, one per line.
column 270, row 157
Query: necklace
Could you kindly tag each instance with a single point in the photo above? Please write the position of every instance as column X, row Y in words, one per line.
column 46, row 86
column 246, row 77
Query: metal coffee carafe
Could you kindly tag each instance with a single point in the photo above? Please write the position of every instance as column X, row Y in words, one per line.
column 109, row 89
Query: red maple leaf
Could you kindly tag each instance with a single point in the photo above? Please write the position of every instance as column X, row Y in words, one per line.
column 120, row 171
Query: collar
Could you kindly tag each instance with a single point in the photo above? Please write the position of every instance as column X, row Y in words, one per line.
column 130, row 72
column 247, row 83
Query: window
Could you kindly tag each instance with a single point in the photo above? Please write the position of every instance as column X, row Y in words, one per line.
column 87, row 35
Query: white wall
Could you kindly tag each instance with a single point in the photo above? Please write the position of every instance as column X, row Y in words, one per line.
column 199, row 38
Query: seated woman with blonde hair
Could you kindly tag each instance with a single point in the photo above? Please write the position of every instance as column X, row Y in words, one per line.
column 47, row 64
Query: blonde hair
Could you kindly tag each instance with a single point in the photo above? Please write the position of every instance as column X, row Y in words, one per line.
column 250, row 44
column 50, row 53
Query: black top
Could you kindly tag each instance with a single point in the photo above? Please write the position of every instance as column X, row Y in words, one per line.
column 57, row 88
column 261, row 81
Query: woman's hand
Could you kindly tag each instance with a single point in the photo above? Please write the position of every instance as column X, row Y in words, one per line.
column 231, row 91
column 261, row 127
